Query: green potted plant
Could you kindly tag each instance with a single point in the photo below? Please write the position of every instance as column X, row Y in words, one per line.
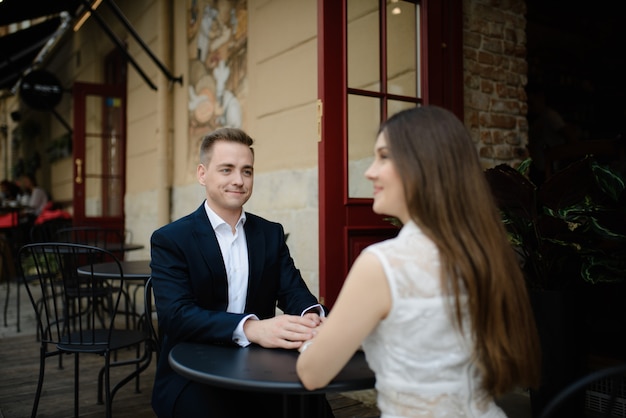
column 570, row 236
column 570, row 228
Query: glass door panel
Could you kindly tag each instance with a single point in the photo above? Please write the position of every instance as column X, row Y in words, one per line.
column 377, row 57
column 395, row 106
column 99, row 154
column 377, row 51
column 103, row 156
column 363, row 123
column 363, row 44
column 402, row 50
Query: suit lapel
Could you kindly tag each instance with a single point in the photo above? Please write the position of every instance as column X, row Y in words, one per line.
column 256, row 253
column 206, row 241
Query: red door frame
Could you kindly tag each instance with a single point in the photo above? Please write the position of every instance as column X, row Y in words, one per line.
column 80, row 91
column 347, row 225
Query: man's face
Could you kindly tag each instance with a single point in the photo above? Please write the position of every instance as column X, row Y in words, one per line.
column 227, row 177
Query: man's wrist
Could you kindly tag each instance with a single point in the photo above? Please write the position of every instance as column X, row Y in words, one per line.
column 316, row 309
column 240, row 337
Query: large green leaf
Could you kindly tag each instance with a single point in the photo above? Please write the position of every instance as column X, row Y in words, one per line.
column 571, row 227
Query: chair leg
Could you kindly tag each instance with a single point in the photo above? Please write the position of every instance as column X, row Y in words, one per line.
column 141, row 365
column 76, row 385
column 100, row 384
column 42, row 367
column 6, row 301
column 60, row 366
column 18, row 307
column 137, row 354
column 107, row 383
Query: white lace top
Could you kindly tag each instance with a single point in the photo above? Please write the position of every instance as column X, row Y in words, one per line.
column 422, row 362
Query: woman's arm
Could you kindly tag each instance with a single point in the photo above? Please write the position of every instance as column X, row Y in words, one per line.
column 364, row 300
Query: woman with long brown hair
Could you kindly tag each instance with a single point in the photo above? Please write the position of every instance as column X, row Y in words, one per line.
column 442, row 310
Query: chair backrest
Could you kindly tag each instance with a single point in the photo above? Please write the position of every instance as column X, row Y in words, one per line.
column 47, row 231
column 148, row 305
column 91, row 235
column 72, row 308
column 107, row 238
column 7, row 263
column 613, row 376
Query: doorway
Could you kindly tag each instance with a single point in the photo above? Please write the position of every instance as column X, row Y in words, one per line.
column 375, row 59
column 100, row 147
column 99, row 154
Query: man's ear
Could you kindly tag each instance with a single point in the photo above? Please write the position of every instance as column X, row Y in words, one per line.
column 200, row 172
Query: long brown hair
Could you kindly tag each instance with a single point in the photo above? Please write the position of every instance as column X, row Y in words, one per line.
column 449, row 198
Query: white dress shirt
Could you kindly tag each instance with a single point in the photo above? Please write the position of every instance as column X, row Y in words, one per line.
column 235, row 255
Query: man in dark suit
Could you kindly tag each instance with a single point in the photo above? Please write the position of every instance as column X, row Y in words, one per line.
column 218, row 275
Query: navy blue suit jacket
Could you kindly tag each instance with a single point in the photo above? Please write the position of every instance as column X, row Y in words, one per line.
column 191, row 288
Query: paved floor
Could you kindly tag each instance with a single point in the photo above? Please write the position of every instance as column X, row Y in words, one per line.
column 516, row 405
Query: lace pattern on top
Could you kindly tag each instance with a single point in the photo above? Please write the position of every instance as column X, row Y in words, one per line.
column 423, row 364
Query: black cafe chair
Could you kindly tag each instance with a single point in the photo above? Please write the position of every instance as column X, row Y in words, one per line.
column 47, row 231
column 44, row 232
column 77, row 313
column 111, row 239
column 155, row 333
column 613, row 377
column 8, row 274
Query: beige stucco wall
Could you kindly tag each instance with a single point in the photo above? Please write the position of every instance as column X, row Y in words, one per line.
column 7, row 105
column 280, row 115
column 282, row 66
column 80, row 57
column 280, row 110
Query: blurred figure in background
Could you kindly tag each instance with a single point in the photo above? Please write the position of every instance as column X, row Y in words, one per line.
column 10, row 190
column 37, row 197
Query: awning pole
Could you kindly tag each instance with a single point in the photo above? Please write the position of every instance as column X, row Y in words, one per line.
column 119, row 44
column 116, row 10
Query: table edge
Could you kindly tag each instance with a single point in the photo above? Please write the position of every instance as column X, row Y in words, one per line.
column 282, row 387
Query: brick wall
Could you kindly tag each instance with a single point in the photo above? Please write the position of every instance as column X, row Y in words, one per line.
column 495, row 74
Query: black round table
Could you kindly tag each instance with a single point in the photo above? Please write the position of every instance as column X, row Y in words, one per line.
column 260, row 369
column 136, row 273
column 135, row 269
column 117, row 247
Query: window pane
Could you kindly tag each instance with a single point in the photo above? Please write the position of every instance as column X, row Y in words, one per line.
column 93, row 200
column 394, row 106
column 93, row 156
column 102, row 167
column 114, row 201
column 402, row 54
column 363, row 124
column 363, row 45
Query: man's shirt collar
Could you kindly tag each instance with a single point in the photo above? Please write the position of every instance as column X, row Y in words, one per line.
column 216, row 220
